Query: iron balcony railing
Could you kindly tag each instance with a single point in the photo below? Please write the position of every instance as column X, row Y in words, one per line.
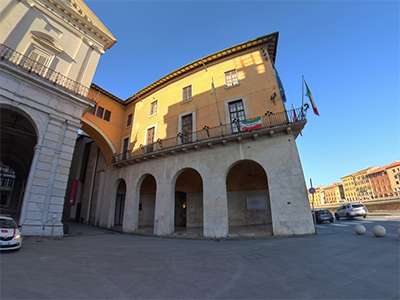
column 9, row 55
column 267, row 121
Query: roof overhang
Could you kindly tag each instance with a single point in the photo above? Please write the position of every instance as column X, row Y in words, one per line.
column 268, row 42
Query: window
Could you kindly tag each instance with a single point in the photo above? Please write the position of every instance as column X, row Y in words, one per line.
column 150, row 135
column 153, row 108
column 99, row 112
column 236, row 113
column 93, row 110
column 231, row 78
column 129, row 121
column 187, row 127
column 187, row 94
column 107, row 115
column 7, row 182
column 39, row 60
column 150, row 140
column 125, row 144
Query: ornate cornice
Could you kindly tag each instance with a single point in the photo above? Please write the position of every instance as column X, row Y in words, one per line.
column 79, row 16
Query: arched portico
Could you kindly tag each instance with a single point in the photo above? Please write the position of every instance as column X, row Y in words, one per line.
column 147, row 204
column 188, row 202
column 249, row 208
column 97, row 134
column 18, row 139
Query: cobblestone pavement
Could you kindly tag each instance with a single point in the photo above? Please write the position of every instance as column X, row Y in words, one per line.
column 95, row 263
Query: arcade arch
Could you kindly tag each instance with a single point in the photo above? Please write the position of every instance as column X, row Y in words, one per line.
column 100, row 138
column 188, row 200
column 147, row 204
column 248, row 197
column 18, row 139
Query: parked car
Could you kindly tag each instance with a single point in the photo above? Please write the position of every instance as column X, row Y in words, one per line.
column 351, row 210
column 10, row 235
column 322, row 215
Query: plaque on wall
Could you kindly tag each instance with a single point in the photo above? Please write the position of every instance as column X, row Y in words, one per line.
column 256, row 203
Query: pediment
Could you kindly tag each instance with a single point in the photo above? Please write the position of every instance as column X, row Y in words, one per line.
column 77, row 14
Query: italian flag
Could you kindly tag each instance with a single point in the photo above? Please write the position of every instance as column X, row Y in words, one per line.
column 308, row 94
column 253, row 124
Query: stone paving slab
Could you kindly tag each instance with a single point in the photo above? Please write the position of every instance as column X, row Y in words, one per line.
column 95, row 263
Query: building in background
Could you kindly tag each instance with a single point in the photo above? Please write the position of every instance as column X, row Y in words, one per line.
column 349, row 188
column 380, row 183
column 49, row 52
column 318, row 198
column 393, row 172
column 334, row 193
column 362, row 183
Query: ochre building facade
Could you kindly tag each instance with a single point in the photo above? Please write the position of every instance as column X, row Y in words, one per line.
column 209, row 146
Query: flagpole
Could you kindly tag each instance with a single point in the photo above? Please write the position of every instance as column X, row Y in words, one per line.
column 302, row 97
column 216, row 102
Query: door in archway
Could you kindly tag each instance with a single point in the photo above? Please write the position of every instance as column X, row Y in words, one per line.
column 180, row 209
column 119, row 209
column 120, row 204
column 188, row 207
column 147, row 204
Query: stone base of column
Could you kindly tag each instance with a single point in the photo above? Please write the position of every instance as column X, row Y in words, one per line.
column 48, row 229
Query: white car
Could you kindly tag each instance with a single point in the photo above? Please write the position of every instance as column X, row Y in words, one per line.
column 351, row 210
column 10, row 236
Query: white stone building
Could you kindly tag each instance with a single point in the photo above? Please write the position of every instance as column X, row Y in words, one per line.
column 49, row 52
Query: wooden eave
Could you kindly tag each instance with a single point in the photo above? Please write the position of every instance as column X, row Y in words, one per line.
column 95, row 87
column 270, row 41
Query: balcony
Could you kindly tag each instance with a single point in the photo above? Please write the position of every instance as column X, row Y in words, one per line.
column 271, row 123
column 23, row 62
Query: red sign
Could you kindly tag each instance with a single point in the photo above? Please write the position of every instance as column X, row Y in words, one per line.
column 72, row 192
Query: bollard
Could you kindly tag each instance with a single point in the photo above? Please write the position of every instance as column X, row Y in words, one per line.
column 360, row 229
column 379, row 231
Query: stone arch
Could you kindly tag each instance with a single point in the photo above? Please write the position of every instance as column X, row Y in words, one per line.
column 248, row 198
column 146, row 190
column 188, row 201
column 100, row 138
column 19, row 136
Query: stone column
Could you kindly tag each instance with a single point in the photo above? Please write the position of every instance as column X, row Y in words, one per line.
column 131, row 209
column 215, row 206
column 165, row 210
column 47, row 182
column 32, row 202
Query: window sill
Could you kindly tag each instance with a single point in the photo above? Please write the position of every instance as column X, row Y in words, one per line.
column 232, row 86
column 188, row 100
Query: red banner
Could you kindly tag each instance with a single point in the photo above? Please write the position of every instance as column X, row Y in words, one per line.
column 72, row 193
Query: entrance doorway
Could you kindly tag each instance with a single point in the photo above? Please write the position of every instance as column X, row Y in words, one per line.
column 147, row 205
column 180, row 209
column 119, row 209
column 188, row 207
column 120, row 204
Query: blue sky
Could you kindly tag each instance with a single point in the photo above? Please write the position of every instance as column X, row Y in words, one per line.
column 348, row 52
